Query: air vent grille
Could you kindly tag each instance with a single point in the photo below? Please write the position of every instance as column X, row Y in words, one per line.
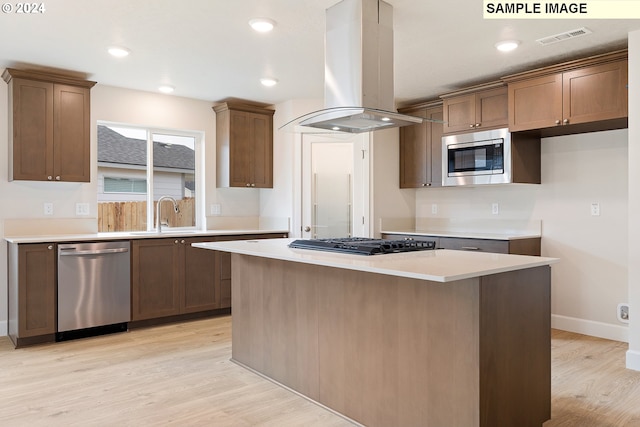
column 564, row 36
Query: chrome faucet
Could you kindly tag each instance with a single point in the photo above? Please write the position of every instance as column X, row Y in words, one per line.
column 158, row 208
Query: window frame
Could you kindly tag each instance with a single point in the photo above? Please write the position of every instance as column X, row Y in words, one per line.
column 198, row 173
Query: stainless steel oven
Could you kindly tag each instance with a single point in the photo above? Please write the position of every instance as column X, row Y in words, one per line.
column 477, row 158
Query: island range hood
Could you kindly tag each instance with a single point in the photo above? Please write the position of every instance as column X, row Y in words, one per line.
column 358, row 87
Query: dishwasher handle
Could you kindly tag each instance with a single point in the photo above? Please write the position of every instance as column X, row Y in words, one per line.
column 73, row 252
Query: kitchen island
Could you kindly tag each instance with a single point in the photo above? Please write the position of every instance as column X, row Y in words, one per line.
column 428, row 338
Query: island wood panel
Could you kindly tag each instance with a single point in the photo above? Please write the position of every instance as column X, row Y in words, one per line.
column 275, row 322
column 515, row 362
column 385, row 350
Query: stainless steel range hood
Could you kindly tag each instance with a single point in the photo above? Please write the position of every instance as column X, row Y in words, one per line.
column 358, row 87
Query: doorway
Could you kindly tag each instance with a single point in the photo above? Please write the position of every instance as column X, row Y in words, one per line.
column 335, row 185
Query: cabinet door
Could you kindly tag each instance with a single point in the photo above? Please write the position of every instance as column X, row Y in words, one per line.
column 595, row 93
column 459, row 113
column 201, row 289
column 36, row 290
column 415, row 170
column 32, row 147
column 157, row 277
column 261, row 160
column 71, row 143
column 492, row 109
column 421, row 151
column 535, row 103
column 240, row 147
column 435, row 130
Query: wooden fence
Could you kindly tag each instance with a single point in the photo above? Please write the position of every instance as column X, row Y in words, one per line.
column 132, row 216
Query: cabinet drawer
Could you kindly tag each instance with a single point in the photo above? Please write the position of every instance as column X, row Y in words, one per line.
column 479, row 245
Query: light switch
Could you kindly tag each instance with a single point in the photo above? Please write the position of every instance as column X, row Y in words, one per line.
column 82, row 208
column 595, row 209
column 215, row 209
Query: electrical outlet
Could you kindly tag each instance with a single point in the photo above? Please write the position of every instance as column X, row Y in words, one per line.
column 495, row 208
column 623, row 312
column 82, row 209
column 48, row 208
column 595, row 209
column 215, row 209
column 434, row 208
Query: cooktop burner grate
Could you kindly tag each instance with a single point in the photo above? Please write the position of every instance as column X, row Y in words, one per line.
column 363, row 245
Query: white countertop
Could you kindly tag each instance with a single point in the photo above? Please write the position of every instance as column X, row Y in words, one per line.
column 436, row 265
column 131, row 235
column 465, row 234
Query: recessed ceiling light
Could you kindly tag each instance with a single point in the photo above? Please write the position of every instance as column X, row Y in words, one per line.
column 118, row 51
column 507, row 45
column 166, row 88
column 262, row 25
column 268, row 81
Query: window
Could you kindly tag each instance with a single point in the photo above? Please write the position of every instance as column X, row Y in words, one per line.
column 125, row 185
column 137, row 166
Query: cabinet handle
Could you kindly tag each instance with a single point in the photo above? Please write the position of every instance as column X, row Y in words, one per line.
column 253, row 185
column 408, row 238
column 557, row 122
column 182, row 241
column 470, row 248
column 248, row 185
column 50, row 247
column 471, row 126
column 477, row 125
column 50, row 178
column 58, row 178
column 175, row 242
column 565, row 121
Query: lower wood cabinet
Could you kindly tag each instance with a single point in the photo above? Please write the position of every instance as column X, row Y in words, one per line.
column 528, row 246
column 170, row 277
column 32, row 293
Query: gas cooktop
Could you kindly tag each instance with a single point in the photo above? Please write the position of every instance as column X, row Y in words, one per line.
column 363, row 245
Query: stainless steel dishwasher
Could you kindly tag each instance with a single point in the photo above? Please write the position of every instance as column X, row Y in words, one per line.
column 94, row 285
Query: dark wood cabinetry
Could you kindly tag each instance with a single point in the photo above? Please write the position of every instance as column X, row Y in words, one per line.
column 49, row 120
column 421, row 148
column 32, row 293
column 593, row 90
column 476, row 108
column 244, row 145
column 527, row 246
column 170, row 277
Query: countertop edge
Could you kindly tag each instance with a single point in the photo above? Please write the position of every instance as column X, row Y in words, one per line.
column 465, row 234
column 307, row 257
column 55, row 238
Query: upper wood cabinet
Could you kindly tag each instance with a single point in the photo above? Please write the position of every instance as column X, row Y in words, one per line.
column 421, row 148
column 244, row 145
column 574, row 93
column 476, row 108
column 49, row 126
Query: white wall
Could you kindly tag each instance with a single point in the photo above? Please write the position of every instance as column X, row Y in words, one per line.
column 591, row 278
column 633, row 355
column 388, row 200
column 21, row 202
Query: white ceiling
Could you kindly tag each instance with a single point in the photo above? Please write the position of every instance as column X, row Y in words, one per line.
column 206, row 49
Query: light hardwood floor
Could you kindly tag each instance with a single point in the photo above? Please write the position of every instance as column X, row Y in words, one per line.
column 180, row 374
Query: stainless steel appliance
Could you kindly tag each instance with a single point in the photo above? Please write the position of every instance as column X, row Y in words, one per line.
column 363, row 245
column 93, row 285
column 477, row 158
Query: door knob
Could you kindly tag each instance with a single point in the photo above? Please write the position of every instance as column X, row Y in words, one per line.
column 307, row 229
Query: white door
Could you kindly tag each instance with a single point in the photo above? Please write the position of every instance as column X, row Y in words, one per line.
column 335, row 185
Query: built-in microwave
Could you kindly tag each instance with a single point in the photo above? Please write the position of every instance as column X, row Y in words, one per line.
column 477, row 158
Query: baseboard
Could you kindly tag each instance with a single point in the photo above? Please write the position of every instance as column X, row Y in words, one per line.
column 590, row 327
column 633, row 360
column 4, row 331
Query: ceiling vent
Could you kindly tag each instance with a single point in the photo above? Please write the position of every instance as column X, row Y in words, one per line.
column 564, row 36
